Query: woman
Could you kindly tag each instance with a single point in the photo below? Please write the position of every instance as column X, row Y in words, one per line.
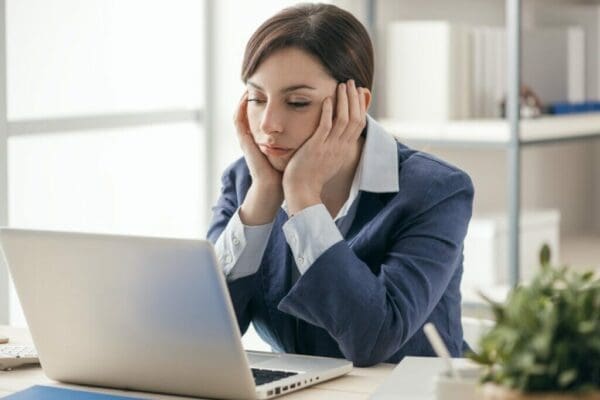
column 335, row 239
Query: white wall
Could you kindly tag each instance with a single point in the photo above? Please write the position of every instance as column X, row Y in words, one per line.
column 553, row 176
column 596, row 180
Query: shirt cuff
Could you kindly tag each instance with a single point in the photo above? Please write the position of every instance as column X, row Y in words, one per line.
column 240, row 247
column 310, row 233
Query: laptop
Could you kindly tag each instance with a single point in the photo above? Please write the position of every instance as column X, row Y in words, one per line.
column 144, row 314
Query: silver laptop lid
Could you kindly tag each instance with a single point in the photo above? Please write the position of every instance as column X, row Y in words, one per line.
column 140, row 313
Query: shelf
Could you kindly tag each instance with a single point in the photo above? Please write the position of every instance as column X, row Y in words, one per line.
column 496, row 132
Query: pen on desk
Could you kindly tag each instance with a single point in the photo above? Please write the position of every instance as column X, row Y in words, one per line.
column 439, row 347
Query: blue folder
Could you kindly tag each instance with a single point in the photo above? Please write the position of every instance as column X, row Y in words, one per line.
column 55, row 393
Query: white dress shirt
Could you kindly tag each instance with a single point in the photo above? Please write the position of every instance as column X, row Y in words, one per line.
column 312, row 231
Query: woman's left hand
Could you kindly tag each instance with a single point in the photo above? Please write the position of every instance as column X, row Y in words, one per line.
column 322, row 156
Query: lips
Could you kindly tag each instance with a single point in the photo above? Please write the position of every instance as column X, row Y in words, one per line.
column 274, row 150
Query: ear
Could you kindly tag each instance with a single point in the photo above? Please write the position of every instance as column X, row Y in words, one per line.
column 366, row 93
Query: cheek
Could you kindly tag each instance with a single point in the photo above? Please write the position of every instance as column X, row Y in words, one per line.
column 254, row 117
column 312, row 120
column 301, row 125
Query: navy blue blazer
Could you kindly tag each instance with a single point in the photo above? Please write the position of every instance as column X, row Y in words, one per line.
column 367, row 297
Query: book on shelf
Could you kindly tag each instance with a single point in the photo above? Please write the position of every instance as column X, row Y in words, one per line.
column 586, row 16
column 553, row 62
column 440, row 71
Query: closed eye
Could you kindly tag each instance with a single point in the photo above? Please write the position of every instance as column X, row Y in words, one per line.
column 299, row 104
column 255, row 101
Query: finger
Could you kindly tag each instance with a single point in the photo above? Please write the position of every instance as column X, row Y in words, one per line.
column 243, row 127
column 326, row 121
column 363, row 108
column 242, row 104
column 240, row 118
column 362, row 101
column 254, row 157
column 355, row 117
column 341, row 118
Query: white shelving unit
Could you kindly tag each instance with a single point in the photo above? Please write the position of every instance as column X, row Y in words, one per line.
column 511, row 135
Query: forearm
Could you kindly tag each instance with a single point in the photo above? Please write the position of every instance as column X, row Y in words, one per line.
column 309, row 233
column 300, row 197
column 261, row 204
column 356, row 310
column 240, row 248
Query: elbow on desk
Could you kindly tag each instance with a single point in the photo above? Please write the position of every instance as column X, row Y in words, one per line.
column 364, row 360
column 372, row 346
column 363, row 357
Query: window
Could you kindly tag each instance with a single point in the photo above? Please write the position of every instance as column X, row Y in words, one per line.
column 70, row 57
column 103, row 106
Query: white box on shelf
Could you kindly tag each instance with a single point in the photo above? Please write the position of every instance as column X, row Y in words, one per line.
column 486, row 248
column 427, row 71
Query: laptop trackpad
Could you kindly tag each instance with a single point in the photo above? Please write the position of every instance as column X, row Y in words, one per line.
column 256, row 358
column 277, row 361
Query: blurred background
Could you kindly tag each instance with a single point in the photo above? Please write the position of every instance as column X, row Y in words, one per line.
column 116, row 117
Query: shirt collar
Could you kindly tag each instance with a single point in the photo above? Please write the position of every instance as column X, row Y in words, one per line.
column 378, row 168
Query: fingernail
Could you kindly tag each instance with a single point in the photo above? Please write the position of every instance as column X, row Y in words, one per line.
column 352, row 83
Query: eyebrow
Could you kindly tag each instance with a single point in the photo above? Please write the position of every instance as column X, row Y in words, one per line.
column 284, row 90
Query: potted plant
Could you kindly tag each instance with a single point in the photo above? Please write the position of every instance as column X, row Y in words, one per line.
column 546, row 341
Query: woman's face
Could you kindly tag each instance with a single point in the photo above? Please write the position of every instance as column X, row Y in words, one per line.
column 285, row 97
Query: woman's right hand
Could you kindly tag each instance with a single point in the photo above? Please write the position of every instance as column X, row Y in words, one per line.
column 266, row 192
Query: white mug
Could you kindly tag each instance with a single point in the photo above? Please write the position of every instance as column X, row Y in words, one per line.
column 465, row 388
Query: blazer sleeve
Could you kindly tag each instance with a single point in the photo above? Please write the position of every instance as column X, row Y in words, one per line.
column 371, row 316
column 241, row 290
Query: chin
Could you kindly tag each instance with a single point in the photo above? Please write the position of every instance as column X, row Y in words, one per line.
column 278, row 164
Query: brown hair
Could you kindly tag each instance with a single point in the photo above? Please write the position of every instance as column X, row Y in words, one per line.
column 334, row 36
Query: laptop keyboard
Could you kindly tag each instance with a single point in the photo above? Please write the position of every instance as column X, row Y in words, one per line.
column 13, row 355
column 262, row 376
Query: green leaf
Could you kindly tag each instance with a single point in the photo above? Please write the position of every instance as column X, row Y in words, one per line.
column 545, row 255
column 586, row 327
column 566, row 377
column 587, row 276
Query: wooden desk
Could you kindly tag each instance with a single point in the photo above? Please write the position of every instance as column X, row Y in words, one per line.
column 358, row 384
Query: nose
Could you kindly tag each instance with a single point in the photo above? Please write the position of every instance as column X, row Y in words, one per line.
column 271, row 119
